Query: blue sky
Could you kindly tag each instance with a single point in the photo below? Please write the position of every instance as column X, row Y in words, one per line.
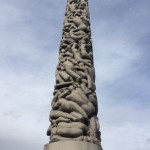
column 30, row 33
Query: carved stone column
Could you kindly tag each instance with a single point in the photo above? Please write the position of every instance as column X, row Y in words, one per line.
column 73, row 119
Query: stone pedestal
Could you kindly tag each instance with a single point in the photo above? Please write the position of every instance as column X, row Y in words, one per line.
column 72, row 145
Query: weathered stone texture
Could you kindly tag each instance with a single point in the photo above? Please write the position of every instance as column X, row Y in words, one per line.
column 74, row 105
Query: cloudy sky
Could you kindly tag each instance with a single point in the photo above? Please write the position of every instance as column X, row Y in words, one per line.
column 30, row 33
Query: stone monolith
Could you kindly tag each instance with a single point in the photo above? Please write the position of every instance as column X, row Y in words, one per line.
column 73, row 119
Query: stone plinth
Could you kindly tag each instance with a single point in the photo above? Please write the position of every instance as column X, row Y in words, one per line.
column 72, row 145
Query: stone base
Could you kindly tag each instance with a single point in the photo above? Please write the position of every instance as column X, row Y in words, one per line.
column 72, row 145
